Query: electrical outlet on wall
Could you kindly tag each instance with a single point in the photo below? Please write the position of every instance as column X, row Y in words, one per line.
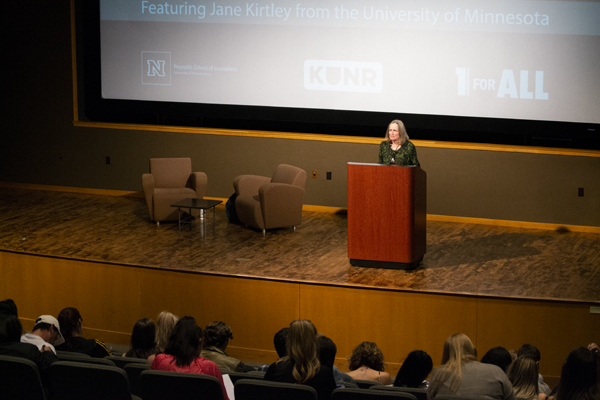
column 314, row 174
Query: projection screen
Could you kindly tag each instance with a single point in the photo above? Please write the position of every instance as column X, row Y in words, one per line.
column 530, row 60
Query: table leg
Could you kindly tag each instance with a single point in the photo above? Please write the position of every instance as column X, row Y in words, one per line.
column 179, row 223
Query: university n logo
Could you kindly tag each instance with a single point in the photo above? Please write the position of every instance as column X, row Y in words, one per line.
column 156, row 68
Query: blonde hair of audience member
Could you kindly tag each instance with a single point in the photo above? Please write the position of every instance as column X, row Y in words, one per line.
column 523, row 374
column 367, row 363
column 302, row 350
column 164, row 326
column 458, row 350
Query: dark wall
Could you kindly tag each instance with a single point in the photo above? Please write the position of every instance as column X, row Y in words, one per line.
column 40, row 145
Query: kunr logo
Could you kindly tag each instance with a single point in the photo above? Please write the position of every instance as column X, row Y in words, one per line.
column 343, row 76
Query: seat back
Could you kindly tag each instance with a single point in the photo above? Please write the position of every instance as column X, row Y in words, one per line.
column 167, row 385
column 236, row 376
column 420, row 394
column 171, row 172
column 121, row 362
column 369, row 394
column 83, row 358
column 20, row 379
column 134, row 372
column 78, row 380
column 252, row 389
column 365, row 384
column 289, row 174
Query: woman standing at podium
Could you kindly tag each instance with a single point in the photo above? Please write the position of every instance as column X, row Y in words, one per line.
column 396, row 148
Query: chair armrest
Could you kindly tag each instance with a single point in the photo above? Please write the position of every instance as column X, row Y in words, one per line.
column 249, row 184
column 199, row 182
column 148, row 187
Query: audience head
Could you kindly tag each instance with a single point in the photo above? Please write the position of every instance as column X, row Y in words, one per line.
column 10, row 328
column 327, row 351
column 280, row 342
column 458, row 348
column 185, row 341
column 217, row 334
column 414, row 369
column 302, row 350
column 529, row 350
column 579, row 376
column 164, row 326
column 498, row 356
column 523, row 374
column 48, row 328
column 366, row 354
column 70, row 324
column 143, row 337
column 8, row 307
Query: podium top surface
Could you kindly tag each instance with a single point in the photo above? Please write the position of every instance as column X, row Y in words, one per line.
column 380, row 165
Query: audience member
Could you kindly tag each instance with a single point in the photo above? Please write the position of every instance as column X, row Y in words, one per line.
column 461, row 375
column 301, row 365
column 327, row 352
column 216, row 340
column 579, row 377
column 182, row 353
column 45, row 334
column 11, row 345
column 367, row 363
column 165, row 322
column 280, row 342
column 8, row 307
column 71, row 327
column 529, row 350
column 523, row 374
column 498, row 356
column 594, row 348
column 414, row 370
column 143, row 337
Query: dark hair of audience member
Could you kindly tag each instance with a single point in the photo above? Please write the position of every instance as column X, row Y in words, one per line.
column 498, row 356
column 8, row 307
column 367, row 354
column 70, row 321
column 327, row 351
column 529, row 350
column 523, row 374
column 217, row 333
column 143, row 343
column 280, row 342
column 302, row 350
column 10, row 328
column 414, row 369
column 185, row 342
column 579, row 377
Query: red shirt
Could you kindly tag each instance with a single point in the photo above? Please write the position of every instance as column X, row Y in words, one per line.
column 200, row 365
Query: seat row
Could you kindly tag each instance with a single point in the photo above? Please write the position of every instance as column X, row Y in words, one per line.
column 98, row 379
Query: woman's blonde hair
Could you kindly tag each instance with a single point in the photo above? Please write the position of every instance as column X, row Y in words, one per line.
column 302, row 350
column 523, row 374
column 458, row 350
column 401, row 131
column 164, row 326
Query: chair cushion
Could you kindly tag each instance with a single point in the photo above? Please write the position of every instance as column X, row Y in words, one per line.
column 171, row 172
column 163, row 198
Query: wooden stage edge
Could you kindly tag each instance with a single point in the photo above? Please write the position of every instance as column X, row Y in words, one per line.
column 328, row 209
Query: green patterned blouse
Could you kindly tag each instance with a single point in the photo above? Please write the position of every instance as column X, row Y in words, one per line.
column 405, row 155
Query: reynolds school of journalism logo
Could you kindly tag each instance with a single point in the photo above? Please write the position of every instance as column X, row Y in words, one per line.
column 156, row 68
column 343, row 76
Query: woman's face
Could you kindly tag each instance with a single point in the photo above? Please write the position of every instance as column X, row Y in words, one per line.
column 394, row 132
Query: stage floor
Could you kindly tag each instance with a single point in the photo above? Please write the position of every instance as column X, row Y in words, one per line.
column 465, row 259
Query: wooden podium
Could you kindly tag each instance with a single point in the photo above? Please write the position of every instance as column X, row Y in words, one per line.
column 387, row 213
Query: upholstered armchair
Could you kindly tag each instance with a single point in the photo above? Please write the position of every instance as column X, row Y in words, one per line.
column 169, row 181
column 276, row 202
